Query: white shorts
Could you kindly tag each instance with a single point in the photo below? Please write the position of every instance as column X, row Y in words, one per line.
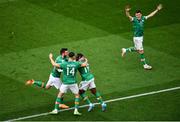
column 138, row 43
column 84, row 85
column 53, row 81
column 72, row 87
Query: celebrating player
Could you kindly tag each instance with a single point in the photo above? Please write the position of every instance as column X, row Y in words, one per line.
column 138, row 25
column 54, row 78
column 69, row 80
column 88, row 83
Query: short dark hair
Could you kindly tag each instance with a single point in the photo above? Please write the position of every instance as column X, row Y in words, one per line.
column 62, row 50
column 138, row 11
column 71, row 54
column 78, row 56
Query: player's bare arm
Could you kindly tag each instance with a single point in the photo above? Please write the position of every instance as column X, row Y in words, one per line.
column 52, row 61
column 127, row 9
column 159, row 7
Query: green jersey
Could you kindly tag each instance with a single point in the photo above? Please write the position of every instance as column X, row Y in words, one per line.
column 56, row 72
column 85, row 73
column 138, row 26
column 69, row 71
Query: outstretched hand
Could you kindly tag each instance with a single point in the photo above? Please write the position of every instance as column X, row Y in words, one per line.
column 127, row 8
column 159, row 7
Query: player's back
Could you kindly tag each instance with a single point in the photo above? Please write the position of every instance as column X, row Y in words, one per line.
column 69, row 71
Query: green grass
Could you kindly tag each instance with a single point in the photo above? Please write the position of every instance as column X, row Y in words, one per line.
column 132, row 109
column 99, row 29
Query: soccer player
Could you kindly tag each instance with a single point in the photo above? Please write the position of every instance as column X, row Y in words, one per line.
column 88, row 83
column 138, row 25
column 69, row 81
column 54, row 78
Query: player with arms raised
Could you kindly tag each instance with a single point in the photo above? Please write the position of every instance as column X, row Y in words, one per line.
column 138, row 25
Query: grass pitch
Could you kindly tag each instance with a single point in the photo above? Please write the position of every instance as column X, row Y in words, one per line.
column 31, row 29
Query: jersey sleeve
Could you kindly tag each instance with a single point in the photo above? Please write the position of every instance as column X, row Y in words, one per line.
column 133, row 18
column 145, row 17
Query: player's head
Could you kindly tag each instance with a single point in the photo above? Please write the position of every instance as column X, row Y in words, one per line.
column 138, row 14
column 72, row 56
column 80, row 57
column 64, row 51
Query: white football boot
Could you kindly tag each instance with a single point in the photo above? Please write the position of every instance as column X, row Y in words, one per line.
column 76, row 112
column 55, row 111
column 147, row 67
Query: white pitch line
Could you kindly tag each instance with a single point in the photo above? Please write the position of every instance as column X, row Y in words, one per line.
column 107, row 101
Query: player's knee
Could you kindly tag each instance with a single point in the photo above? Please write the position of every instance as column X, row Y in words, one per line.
column 140, row 51
column 93, row 90
column 47, row 87
column 76, row 95
column 60, row 94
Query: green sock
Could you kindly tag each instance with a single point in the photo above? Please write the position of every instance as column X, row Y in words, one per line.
column 58, row 101
column 98, row 97
column 85, row 98
column 76, row 102
column 130, row 49
column 40, row 84
column 143, row 60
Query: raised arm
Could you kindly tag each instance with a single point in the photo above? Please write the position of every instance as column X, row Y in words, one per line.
column 127, row 9
column 159, row 7
column 52, row 61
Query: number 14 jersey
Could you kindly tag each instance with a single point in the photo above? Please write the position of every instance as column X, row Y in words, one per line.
column 69, row 71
